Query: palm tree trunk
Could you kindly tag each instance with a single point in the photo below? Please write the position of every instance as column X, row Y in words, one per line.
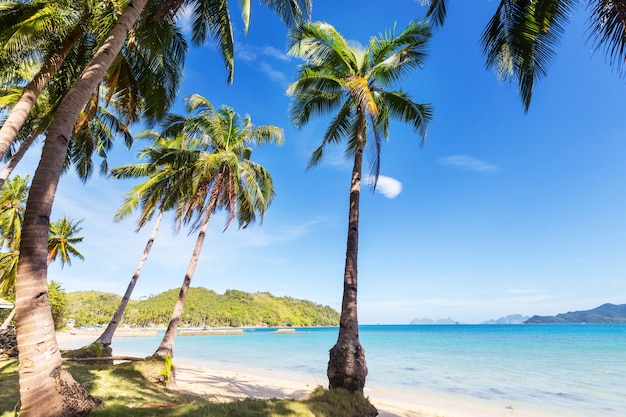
column 347, row 368
column 167, row 344
column 8, row 168
column 19, row 113
column 45, row 388
column 7, row 321
column 107, row 336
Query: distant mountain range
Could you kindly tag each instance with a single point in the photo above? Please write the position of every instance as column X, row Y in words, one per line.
column 606, row 313
column 512, row 319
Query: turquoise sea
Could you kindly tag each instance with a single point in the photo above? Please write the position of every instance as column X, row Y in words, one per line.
column 522, row 370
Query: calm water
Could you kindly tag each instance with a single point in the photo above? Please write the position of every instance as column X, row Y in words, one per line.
column 543, row 370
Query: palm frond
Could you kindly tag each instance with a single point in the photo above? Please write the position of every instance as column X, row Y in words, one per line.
column 212, row 17
column 520, row 40
column 291, row 12
column 320, row 44
column 436, row 12
column 607, row 24
column 400, row 106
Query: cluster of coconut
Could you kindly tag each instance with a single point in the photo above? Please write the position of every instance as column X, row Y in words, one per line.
column 8, row 343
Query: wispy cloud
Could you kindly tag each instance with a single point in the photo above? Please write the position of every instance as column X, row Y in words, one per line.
column 469, row 163
column 250, row 53
column 387, row 186
column 273, row 74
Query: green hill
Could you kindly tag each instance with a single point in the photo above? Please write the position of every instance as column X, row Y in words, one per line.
column 203, row 307
column 606, row 313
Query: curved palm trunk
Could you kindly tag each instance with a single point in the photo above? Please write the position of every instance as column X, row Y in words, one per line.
column 347, row 368
column 19, row 113
column 8, row 168
column 107, row 336
column 167, row 344
column 7, row 321
column 45, row 388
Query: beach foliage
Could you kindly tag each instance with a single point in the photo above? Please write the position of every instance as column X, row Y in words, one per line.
column 521, row 39
column 131, row 389
column 203, row 307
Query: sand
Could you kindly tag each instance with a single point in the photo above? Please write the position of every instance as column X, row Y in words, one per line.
column 225, row 382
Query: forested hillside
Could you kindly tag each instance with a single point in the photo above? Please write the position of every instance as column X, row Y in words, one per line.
column 203, row 307
column 606, row 313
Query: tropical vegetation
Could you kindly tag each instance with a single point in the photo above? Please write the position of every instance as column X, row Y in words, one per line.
column 129, row 389
column 203, row 307
column 359, row 85
column 34, row 320
column 521, row 39
column 212, row 171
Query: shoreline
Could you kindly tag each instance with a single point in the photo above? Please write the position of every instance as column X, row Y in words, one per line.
column 222, row 382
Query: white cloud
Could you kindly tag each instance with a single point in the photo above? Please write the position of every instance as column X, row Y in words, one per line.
column 469, row 163
column 387, row 186
column 275, row 53
column 250, row 53
column 273, row 74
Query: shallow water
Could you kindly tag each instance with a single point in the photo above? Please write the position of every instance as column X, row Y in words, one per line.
column 526, row 370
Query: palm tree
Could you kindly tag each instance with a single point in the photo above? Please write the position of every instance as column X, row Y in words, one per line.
column 12, row 200
column 149, row 196
column 62, row 239
column 144, row 79
column 336, row 75
column 219, row 174
column 50, row 29
column 35, row 328
column 521, row 38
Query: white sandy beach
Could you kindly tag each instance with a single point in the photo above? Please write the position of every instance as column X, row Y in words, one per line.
column 222, row 382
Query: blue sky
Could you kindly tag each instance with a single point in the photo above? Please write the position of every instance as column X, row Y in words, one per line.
column 499, row 213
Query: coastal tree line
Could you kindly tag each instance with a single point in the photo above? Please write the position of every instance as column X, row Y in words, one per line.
column 203, row 307
column 80, row 73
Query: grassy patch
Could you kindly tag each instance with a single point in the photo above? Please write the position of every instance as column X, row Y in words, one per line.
column 136, row 389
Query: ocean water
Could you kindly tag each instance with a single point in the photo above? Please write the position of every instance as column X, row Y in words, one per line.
column 499, row 370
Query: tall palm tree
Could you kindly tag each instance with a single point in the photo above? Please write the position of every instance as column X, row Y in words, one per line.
column 148, row 196
column 521, row 39
column 222, row 176
column 40, row 371
column 357, row 82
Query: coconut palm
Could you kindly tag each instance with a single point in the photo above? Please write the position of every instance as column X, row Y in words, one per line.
column 50, row 29
column 222, row 177
column 337, row 76
column 62, row 239
column 143, row 79
column 12, row 201
column 148, row 196
column 521, row 39
column 35, row 328
column 12, row 205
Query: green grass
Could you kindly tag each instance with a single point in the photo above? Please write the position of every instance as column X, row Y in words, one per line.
column 136, row 389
